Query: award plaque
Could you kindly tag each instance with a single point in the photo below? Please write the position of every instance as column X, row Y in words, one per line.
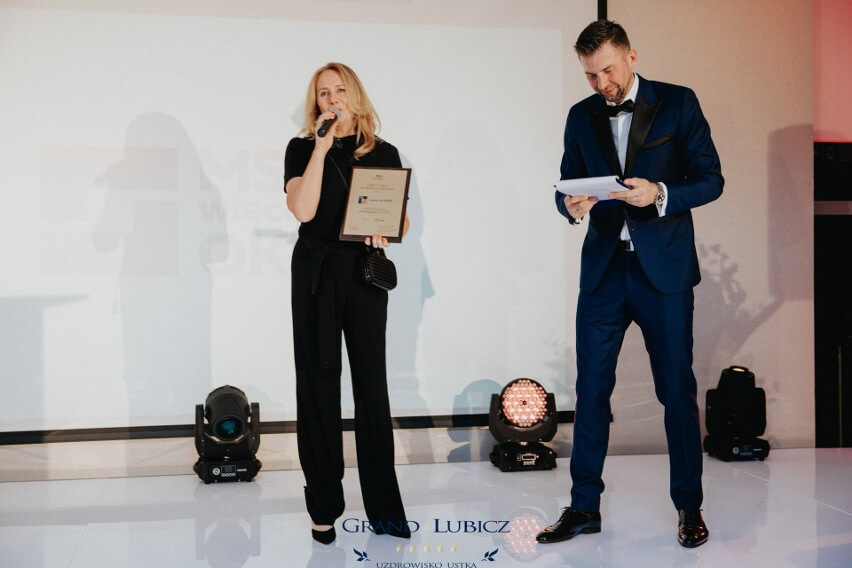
column 376, row 203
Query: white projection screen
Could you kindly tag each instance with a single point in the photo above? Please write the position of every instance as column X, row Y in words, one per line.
column 146, row 240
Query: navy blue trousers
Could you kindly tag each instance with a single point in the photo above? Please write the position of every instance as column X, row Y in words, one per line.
column 625, row 295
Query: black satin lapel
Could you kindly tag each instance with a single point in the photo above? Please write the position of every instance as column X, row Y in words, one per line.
column 603, row 133
column 643, row 116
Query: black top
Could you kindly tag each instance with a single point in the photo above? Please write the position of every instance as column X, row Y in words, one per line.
column 324, row 228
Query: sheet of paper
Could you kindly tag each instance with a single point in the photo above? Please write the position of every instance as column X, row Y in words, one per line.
column 599, row 187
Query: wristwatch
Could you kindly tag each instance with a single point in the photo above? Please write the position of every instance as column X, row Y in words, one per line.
column 661, row 194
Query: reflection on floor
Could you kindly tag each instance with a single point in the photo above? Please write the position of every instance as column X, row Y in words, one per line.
column 794, row 509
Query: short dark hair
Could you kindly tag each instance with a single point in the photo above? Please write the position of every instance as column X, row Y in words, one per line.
column 596, row 34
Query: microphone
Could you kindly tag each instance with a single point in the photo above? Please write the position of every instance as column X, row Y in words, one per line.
column 323, row 129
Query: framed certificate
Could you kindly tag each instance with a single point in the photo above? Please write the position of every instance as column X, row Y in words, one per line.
column 376, row 203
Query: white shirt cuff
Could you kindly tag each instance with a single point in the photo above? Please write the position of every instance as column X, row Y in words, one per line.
column 661, row 209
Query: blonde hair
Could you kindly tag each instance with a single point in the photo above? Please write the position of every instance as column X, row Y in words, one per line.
column 367, row 122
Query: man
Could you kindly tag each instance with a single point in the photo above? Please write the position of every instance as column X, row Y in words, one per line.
column 638, row 264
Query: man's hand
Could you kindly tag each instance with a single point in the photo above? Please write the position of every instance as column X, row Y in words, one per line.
column 641, row 193
column 579, row 205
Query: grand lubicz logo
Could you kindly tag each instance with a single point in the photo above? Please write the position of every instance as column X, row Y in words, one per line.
column 441, row 543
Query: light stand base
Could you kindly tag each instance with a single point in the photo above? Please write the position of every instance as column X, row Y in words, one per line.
column 736, row 449
column 511, row 456
column 214, row 471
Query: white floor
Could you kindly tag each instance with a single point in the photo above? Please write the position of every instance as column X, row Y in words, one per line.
column 794, row 509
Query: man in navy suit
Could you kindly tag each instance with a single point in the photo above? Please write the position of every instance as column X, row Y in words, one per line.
column 638, row 264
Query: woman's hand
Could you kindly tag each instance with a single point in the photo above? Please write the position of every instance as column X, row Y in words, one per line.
column 376, row 241
column 324, row 144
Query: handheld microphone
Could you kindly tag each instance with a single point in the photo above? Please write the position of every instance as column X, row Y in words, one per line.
column 323, row 129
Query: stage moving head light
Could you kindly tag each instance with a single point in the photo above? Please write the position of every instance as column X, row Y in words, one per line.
column 521, row 417
column 227, row 436
column 735, row 417
column 523, row 412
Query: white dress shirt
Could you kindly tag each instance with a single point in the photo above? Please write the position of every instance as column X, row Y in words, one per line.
column 620, row 125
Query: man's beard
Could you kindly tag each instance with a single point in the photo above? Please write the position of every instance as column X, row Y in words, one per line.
column 616, row 97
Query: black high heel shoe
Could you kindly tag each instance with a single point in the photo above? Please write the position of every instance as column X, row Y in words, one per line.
column 324, row 537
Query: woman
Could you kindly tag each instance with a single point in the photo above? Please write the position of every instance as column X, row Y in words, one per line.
column 327, row 299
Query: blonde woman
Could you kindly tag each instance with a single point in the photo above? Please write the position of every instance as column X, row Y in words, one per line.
column 328, row 301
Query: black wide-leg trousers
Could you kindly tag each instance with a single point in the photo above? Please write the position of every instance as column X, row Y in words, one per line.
column 327, row 300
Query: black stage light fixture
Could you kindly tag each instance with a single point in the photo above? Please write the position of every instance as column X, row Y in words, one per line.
column 521, row 417
column 735, row 417
column 227, row 435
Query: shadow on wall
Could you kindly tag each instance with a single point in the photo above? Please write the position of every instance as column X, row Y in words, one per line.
column 724, row 319
column 405, row 316
column 477, row 443
column 722, row 322
column 156, row 211
column 22, row 359
column 790, row 193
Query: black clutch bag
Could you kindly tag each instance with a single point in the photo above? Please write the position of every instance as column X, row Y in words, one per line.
column 378, row 270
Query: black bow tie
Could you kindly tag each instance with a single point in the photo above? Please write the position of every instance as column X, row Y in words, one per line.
column 626, row 106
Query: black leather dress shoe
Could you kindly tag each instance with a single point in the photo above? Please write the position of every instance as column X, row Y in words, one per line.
column 691, row 530
column 571, row 523
column 325, row 537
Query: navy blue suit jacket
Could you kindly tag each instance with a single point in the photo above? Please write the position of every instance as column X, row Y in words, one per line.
column 669, row 142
